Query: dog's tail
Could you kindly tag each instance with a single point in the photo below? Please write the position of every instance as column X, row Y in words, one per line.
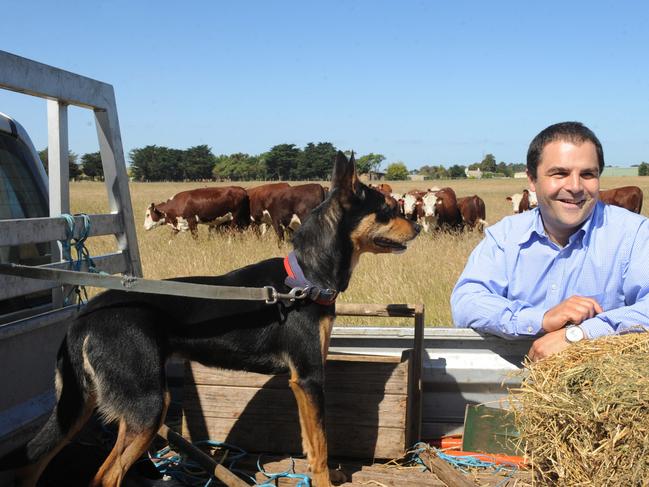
column 70, row 413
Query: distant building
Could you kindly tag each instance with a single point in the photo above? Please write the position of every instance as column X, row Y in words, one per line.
column 416, row 177
column 372, row 176
column 520, row 175
column 473, row 173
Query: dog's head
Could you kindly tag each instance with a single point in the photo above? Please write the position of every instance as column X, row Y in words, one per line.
column 372, row 218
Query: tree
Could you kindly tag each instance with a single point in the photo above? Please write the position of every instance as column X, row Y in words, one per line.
column 73, row 167
column 153, row 163
column 91, row 165
column 315, row 162
column 396, row 171
column 434, row 172
column 239, row 167
column 643, row 169
column 505, row 169
column 369, row 162
column 280, row 160
column 198, row 162
column 488, row 164
column 456, row 172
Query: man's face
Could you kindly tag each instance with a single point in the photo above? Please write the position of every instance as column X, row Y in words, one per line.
column 567, row 187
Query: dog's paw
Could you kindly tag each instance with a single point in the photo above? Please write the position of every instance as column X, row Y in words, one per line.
column 337, row 476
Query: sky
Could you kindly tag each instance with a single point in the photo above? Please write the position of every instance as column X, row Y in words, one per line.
column 421, row 82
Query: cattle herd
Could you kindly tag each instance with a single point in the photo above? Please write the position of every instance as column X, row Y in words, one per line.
column 283, row 207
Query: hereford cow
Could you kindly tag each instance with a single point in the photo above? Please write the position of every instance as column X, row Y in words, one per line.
column 384, row 188
column 629, row 197
column 523, row 201
column 260, row 198
column 472, row 209
column 208, row 206
column 290, row 206
column 447, row 211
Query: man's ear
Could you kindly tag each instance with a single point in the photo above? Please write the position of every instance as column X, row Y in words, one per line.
column 531, row 181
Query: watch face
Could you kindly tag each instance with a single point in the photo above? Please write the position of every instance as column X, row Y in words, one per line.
column 574, row 334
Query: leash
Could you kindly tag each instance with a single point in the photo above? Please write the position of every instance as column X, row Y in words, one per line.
column 301, row 287
column 268, row 294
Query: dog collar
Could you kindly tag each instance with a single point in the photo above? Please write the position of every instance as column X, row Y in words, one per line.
column 296, row 278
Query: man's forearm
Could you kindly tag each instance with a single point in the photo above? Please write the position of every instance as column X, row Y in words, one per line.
column 496, row 315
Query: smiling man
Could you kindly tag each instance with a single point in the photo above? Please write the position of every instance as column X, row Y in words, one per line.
column 572, row 269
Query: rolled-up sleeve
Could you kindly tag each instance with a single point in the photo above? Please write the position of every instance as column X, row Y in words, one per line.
column 635, row 315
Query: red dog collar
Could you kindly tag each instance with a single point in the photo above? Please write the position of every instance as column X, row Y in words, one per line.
column 296, row 278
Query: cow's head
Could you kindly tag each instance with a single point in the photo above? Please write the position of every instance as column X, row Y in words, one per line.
column 153, row 217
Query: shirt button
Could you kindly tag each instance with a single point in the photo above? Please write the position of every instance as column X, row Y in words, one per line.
column 553, row 287
column 529, row 329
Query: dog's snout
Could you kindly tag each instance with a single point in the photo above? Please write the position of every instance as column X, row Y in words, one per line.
column 417, row 227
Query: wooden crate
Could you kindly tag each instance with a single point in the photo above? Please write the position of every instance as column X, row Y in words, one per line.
column 371, row 406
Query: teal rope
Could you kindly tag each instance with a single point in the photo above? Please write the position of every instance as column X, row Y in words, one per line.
column 461, row 463
column 189, row 473
column 83, row 255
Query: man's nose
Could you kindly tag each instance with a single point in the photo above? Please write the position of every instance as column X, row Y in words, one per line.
column 575, row 183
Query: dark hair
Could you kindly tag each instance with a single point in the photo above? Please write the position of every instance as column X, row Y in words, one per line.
column 575, row 132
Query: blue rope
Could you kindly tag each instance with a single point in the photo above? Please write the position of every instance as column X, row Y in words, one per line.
column 186, row 471
column 461, row 463
column 83, row 255
column 305, row 480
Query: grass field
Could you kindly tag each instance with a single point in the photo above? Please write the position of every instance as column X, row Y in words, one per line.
column 426, row 273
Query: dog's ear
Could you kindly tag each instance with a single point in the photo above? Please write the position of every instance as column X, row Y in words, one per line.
column 344, row 177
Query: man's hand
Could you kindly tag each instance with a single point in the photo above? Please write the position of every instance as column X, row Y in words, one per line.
column 548, row 344
column 574, row 310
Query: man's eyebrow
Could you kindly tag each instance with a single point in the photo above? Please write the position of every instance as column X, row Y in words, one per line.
column 557, row 168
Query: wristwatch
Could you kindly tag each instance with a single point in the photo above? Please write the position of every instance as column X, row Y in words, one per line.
column 574, row 333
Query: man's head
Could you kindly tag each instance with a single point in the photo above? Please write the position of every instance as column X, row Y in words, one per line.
column 564, row 163
column 575, row 132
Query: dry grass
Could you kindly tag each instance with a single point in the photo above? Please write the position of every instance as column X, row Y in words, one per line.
column 426, row 273
column 583, row 414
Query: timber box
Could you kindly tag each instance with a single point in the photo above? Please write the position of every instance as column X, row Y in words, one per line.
column 371, row 407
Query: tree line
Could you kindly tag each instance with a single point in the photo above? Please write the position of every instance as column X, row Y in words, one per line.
column 281, row 162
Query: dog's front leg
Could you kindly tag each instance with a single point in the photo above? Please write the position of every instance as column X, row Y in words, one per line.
column 309, row 396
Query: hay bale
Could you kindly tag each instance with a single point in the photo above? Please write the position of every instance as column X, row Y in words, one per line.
column 583, row 414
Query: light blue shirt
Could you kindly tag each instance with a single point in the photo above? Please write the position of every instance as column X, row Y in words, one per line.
column 517, row 273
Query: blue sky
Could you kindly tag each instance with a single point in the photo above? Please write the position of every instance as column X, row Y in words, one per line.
column 421, row 82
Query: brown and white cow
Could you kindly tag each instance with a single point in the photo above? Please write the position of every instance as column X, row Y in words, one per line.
column 208, row 206
column 523, row 201
column 260, row 198
column 447, row 210
column 290, row 206
column 384, row 188
column 629, row 197
column 472, row 209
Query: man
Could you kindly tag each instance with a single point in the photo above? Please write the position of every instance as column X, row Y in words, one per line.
column 571, row 269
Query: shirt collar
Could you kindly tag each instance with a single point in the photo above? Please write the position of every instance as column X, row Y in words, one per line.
column 537, row 229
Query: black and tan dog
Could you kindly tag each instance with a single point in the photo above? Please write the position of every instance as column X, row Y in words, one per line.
column 113, row 356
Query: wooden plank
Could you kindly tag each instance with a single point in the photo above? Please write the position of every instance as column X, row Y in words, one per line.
column 446, row 473
column 380, row 376
column 230, row 402
column 203, row 459
column 357, row 474
column 386, row 310
column 350, row 441
column 365, row 411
